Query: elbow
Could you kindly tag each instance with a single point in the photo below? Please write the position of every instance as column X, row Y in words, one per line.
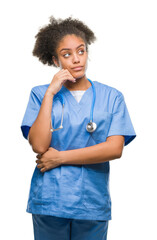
column 119, row 155
column 119, row 152
column 37, row 147
column 39, row 150
column 116, row 144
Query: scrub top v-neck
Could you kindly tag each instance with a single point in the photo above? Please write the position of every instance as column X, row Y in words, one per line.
column 78, row 94
column 70, row 98
column 77, row 191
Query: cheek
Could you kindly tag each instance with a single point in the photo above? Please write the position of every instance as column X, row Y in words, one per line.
column 64, row 65
column 61, row 64
column 86, row 66
column 85, row 59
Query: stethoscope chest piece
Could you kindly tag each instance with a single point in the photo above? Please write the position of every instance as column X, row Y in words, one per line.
column 91, row 127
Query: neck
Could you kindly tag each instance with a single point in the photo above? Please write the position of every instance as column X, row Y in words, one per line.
column 80, row 84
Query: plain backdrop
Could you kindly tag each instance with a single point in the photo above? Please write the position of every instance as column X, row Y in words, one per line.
column 125, row 57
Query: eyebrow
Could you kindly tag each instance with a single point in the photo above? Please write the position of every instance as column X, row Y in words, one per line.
column 70, row 48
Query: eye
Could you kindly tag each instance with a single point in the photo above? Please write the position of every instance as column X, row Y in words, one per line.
column 81, row 52
column 66, row 55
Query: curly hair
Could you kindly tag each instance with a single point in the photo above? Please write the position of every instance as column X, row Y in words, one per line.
column 48, row 37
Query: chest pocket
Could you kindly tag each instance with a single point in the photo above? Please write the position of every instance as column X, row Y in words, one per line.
column 103, row 121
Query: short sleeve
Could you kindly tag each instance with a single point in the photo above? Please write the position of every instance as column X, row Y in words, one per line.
column 31, row 112
column 121, row 122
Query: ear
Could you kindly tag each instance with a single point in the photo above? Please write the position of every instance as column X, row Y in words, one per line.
column 55, row 61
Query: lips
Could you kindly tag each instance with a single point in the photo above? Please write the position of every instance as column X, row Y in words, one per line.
column 77, row 68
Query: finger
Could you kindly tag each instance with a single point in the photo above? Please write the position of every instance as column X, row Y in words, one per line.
column 38, row 161
column 38, row 156
column 67, row 73
column 39, row 165
column 67, row 77
column 50, row 148
column 60, row 72
column 43, row 170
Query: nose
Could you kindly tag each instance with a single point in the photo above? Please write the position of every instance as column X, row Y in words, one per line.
column 76, row 58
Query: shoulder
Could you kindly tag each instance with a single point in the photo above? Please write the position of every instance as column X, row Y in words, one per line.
column 109, row 96
column 40, row 88
column 39, row 91
column 108, row 90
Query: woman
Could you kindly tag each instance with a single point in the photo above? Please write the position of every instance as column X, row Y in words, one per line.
column 69, row 194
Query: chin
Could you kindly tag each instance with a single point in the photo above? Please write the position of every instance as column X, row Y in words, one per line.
column 78, row 76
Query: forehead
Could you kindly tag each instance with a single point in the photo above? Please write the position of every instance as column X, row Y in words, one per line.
column 70, row 41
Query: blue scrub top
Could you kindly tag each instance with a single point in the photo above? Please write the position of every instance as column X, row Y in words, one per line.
column 77, row 191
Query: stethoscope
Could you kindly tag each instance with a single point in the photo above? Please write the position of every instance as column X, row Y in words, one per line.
column 91, row 126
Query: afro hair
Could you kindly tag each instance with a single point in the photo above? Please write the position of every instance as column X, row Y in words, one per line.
column 49, row 36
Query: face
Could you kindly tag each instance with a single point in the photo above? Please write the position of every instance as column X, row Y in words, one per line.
column 72, row 55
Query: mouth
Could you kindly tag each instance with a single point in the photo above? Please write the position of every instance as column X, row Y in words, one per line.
column 79, row 68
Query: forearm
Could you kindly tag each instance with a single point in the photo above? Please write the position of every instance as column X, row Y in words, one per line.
column 98, row 153
column 40, row 134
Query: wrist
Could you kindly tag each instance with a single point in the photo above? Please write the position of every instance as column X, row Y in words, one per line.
column 49, row 93
column 62, row 157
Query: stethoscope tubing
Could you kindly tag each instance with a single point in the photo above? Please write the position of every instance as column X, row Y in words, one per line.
column 60, row 96
column 93, row 103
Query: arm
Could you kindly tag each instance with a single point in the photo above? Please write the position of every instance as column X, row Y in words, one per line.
column 102, row 152
column 40, row 134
